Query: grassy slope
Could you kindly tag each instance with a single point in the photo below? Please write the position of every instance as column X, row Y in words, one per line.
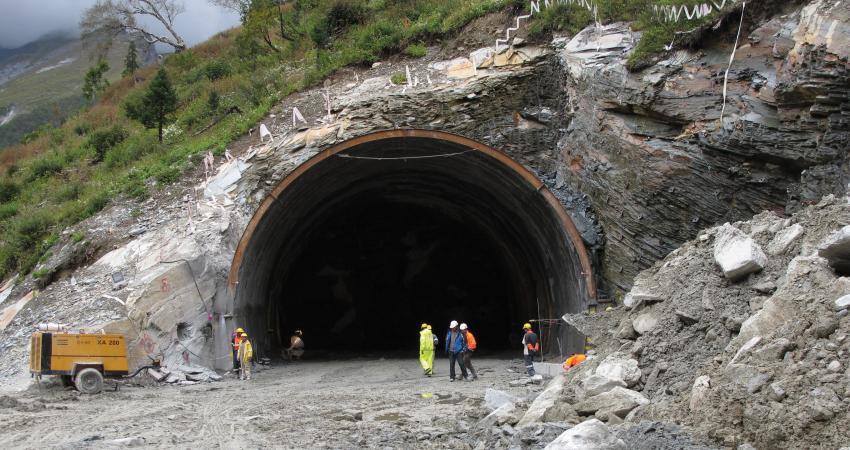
column 49, row 96
column 55, row 180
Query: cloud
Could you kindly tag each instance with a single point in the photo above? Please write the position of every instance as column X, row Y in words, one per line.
column 23, row 21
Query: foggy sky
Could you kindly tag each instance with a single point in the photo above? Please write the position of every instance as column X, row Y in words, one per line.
column 23, row 21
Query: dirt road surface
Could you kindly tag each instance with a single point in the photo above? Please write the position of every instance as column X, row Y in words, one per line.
column 364, row 403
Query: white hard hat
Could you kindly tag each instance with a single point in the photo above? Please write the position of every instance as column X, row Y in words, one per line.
column 463, row 326
column 453, row 324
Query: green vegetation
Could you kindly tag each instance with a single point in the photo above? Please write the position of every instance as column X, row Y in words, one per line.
column 64, row 173
column 656, row 33
column 398, row 78
column 154, row 109
column 131, row 61
column 95, row 80
column 416, row 50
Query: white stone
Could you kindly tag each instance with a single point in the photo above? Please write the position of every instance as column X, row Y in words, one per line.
column 494, row 399
column 749, row 345
column 618, row 367
column 544, row 402
column 645, row 322
column 785, row 239
column 699, row 391
column 836, row 249
column 842, row 303
column 505, row 414
column 638, row 295
column 834, row 366
column 590, row 434
column 596, row 384
column 737, row 254
column 618, row 401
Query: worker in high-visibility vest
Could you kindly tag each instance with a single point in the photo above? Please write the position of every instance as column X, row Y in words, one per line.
column 530, row 347
column 246, row 352
column 235, row 339
column 426, row 349
column 471, row 345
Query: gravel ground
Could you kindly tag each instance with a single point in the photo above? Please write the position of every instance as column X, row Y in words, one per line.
column 362, row 403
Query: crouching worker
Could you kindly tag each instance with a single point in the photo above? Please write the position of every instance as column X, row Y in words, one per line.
column 574, row 360
column 426, row 349
column 296, row 347
column 246, row 353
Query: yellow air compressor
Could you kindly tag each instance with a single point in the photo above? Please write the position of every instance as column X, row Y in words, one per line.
column 84, row 359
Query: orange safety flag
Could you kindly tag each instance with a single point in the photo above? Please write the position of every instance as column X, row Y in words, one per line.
column 574, row 360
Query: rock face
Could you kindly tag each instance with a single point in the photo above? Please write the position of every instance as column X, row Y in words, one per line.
column 590, row 434
column 650, row 151
column 736, row 253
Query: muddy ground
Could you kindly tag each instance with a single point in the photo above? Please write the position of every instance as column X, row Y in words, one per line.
column 362, row 403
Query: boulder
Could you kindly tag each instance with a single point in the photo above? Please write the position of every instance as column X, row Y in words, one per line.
column 699, row 391
column 590, row 434
column 618, row 401
column 505, row 414
column 842, row 303
column 618, row 367
column 494, row 399
column 737, row 254
column 785, row 239
column 645, row 322
column 626, row 330
column 544, row 402
column 639, row 295
column 836, row 250
column 597, row 384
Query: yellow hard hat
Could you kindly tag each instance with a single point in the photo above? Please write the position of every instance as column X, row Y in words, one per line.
column 239, row 330
column 527, row 326
column 424, row 326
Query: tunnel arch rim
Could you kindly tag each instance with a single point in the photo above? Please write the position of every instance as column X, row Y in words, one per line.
column 501, row 157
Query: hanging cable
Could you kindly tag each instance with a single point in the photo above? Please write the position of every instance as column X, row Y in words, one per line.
column 731, row 58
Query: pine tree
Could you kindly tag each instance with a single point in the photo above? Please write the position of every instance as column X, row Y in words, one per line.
column 156, row 106
column 94, row 81
column 131, row 64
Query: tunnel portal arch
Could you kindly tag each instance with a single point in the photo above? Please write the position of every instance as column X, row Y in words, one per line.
column 487, row 219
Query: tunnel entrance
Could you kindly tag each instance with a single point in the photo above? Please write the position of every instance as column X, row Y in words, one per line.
column 371, row 237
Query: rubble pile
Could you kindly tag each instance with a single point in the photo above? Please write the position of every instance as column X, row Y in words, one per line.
column 741, row 335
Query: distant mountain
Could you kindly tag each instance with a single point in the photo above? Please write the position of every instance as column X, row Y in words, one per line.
column 41, row 82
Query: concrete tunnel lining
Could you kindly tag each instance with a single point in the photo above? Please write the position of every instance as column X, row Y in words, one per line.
column 477, row 185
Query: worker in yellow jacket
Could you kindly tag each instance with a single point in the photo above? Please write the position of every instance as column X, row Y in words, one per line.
column 426, row 349
column 246, row 352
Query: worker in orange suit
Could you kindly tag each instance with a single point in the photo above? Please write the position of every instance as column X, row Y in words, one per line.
column 471, row 345
column 235, row 340
column 574, row 360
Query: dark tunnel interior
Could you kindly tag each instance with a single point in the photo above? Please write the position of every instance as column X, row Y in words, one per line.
column 357, row 252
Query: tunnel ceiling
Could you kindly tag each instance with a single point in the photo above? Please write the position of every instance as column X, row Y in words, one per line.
column 472, row 184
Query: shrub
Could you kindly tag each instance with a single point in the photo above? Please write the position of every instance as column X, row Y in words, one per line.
column 78, row 236
column 44, row 166
column 398, row 78
column 68, row 192
column 416, row 50
column 105, row 139
column 213, row 102
column 8, row 210
column 217, row 69
column 8, row 190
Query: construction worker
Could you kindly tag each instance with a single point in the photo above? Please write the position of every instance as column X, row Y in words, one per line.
column 246, row 353
column 455, row 346
column 235, row 339
column 296, row 347
column 530, row 347
column 574, row 360
column 426, row 349
column 471, row 345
